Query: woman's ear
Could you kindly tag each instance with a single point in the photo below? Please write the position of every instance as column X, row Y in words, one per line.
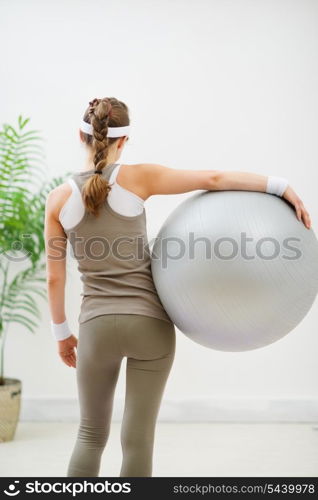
column 122, row 141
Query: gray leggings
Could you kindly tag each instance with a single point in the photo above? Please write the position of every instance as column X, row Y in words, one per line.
column 149, row 344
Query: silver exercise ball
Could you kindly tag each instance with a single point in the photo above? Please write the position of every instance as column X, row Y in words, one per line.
column 235, row 270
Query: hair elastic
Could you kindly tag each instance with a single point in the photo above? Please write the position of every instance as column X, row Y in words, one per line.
column 112, row 131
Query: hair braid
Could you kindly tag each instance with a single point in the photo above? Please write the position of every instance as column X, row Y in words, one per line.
column 98, row 114
column 99, row 117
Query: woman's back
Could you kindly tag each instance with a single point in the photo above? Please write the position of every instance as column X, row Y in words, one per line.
column 112, row 252
column 120, row 199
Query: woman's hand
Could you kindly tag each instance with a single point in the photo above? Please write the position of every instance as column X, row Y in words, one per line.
column 66, row 350
column 301, row 212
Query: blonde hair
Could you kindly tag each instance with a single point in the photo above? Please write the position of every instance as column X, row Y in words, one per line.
column 101, row 114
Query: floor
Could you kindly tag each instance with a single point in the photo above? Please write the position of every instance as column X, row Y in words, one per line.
column 42, row 449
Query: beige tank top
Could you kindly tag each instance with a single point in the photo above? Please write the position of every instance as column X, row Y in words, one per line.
column 113, row 258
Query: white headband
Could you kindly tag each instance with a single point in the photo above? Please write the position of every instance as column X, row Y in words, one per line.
column 112, row 131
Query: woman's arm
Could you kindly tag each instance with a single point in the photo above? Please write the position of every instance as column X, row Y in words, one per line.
column 55, row 249
column 165, row 180
column 157, row 179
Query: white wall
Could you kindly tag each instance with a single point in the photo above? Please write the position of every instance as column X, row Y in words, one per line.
column 226, row 84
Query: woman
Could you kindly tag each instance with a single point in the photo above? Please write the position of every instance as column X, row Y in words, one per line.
column 101, row 211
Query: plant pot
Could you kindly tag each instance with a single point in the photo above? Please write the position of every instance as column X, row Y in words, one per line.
column 10, row 402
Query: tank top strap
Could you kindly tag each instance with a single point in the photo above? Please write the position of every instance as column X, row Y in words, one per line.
column 80, row 177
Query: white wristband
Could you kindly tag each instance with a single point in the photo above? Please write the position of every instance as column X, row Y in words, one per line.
column 276, row 185
column 60, row 331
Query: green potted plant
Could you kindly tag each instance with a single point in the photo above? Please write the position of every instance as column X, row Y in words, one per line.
column 23, row 192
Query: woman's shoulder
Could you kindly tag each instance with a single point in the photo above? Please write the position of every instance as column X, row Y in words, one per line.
column 59, row 191
column 58, row 196
column 136, row 177
column 140, row 167
column 129, row 177
column 141, row 171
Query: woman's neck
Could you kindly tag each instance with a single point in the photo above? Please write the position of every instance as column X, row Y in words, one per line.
column 89, row 164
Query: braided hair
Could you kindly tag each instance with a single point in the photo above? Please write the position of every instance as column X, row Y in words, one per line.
column 101, row 113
